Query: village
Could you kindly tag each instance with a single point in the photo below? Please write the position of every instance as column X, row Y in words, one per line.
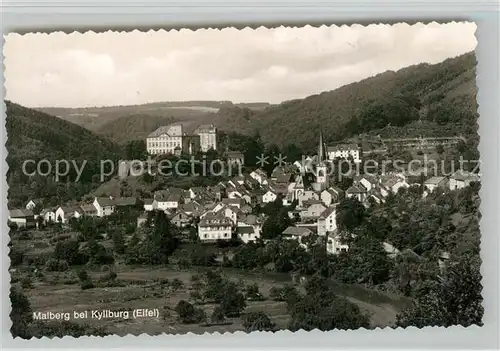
column 229, row 210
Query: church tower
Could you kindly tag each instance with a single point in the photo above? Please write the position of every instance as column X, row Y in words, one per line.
column 322, row 180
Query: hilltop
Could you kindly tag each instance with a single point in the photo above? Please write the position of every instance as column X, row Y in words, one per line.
column 132, row 122
column 428, row 89
column 34, row 135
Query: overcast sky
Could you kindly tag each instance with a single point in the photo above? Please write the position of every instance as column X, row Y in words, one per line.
column 270, row 65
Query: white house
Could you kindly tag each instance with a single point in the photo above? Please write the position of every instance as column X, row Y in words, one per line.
column 392, row 184
column 334, row 244
column 148, row 205
column 269, row 196
column 327, row 221
column 313, row 210
column 105, row 206
column 330, row 196
column 248, row 233
column 65, row 213
column 214, row 227
column 22, row 218
column 367, row 181
column 357, row 192
column 260, row 176
column 166, row 200
column 296, row 233
column 49, row 214
column 344, row 151
column 30, row 206
column 306, row 195
column 435, row 182
column 231, row 213
column 461, row 179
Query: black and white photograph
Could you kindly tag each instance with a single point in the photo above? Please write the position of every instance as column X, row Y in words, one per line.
column 255, row 179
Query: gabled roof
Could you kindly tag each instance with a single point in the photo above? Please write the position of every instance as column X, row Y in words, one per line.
column 105, row 201
column 342, row 147
column 88, row 208
column 356, row 190
column 20, row 213
column 462, row 175
column 327, row 212
column 71, row 209
column 434, row 180
column 126, row 201
column 170, row 130
column 297, row 231
column 148, row 201
column 245, row 230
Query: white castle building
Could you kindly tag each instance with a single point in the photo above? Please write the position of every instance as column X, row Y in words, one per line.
column 165, row 140
column 171, row 139
column 208, row 137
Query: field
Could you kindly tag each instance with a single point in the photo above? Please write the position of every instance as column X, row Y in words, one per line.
column 149, row 287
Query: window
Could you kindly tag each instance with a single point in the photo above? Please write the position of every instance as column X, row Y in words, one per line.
column 205, row 236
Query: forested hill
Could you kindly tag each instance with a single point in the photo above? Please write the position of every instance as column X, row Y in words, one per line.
column 34, row 135
column 442, row 93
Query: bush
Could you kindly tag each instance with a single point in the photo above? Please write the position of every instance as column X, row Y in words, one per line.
column 26, row 283
column 188, row 314
column 257, row 321
column 217, row 315
column 54, row 265
column 177, row 284
column 253, row 293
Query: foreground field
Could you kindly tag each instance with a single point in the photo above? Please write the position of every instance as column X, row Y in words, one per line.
column 143, row 289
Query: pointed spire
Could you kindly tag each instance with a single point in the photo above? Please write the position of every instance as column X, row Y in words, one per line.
column 321, row 154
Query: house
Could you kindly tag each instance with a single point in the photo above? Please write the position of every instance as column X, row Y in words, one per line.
column 127, row 202
column 344, row 151
column 269, row 196
column 392, row 184
column 331, row 195
column 435, row 182
column 367, row 181
column 230, row 212
column 142, row 219
column 247, row 234
column 32, row 204
column 296, row 233
column 327, row 221
column 89, row 210
column 307, row 195
column 214, row 226
column 49, row 214
column 235, row 157
column 181, row 219
column 105, row 206
column 375, row 195
column 148, row 205
column 334, row 244
column 237, row 202
column 461, row 179
column 260, row 176
column 357, row 192
column 284, row 178
column 22, row 218
column 167, row 200
column 65, row 213
column 313, row 210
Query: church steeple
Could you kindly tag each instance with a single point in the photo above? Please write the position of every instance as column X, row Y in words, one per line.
column 321, row 148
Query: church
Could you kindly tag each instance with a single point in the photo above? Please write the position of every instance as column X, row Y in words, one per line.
column 321, row 171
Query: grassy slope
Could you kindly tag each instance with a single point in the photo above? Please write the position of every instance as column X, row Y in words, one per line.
column 34, row 135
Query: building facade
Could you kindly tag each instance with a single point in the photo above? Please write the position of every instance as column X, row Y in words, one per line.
column 208, row 137
column 165, row 140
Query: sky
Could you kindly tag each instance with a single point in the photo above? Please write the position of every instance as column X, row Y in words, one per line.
column 248, row 65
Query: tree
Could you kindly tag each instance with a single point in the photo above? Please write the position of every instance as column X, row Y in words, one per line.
column 276, row 223
column 350, row 214
column 21, row 313
column 118, row 242
column 257, row 321
column 85, row 281
column 188, row 314
column 218, row 315
column 454, row 299
column 253, row 293
column 233, row 301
